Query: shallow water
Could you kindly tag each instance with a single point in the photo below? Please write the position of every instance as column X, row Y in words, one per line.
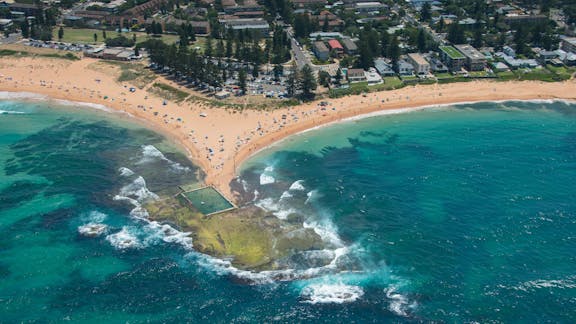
column 458, row 214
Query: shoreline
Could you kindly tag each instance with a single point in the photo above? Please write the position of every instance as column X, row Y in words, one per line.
column 220, row 140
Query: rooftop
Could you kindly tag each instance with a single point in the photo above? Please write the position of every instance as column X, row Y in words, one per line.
column 470, row 52
column 417, row 58
column 451, row 52
column 335, row 44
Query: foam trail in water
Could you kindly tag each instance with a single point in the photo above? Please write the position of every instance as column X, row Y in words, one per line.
column 151, row 153
column 399, row 304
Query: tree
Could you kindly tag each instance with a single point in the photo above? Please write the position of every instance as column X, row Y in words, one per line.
column 277, row 70
column 95, row 37
column 477, row 42
column 426, row 12
column 25, row 29
column 394, row 51
column 291, row 80
column 422, row 43
column 104, row 34
column 134, row 38
column 208, row 47
column 242, row 80
column 324, row 78
column 60, row 33
column 255, row 71
column 338, row 77
column 456, row 34
column 136, row 51
column 307, row 82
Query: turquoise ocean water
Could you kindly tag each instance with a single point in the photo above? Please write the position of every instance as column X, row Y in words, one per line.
column 458, row 214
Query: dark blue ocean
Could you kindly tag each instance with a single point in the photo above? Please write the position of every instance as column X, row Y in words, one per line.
column 456, row 214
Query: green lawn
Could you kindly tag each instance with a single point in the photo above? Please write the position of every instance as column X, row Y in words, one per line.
column 86, row 36
column 452, row 52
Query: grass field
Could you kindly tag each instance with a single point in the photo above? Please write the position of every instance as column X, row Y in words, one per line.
column 86, row 36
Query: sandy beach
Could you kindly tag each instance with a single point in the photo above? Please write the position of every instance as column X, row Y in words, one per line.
column 219, row 139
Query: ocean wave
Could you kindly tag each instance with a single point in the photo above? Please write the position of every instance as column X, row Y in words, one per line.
column 286, row 194
column 125, row 239
column 266, row 179
column 150, row 154
column 125, row 172
column 94, row 217
column 399, row 304
column 92, row 229
column 297, row 185
column 331, row 293
column 135, row 193
column 11, row 112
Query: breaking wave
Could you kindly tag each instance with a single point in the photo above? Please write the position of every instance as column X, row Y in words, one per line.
column 135, row 193
column 331, row 293
column 11, row 112
column 150, row 154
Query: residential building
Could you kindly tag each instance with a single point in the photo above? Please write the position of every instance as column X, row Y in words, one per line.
column 255, row 24
column 421, row 66
column 27, row 9
column 329, row 20
column 475, row 61
column 350, row 47
column 405, row 68
column 512, row 19
column 368, row 7
column 437, row 66
column 308, row 3
column 336, row 47
column 326, row 35
column 568, row 44
column 356, row 75
column 383, row 68
column 373, row 77
column 5, row 23
column 321, row 51
column 452, row 58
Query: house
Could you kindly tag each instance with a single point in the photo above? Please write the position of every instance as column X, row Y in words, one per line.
column 405, row 68
column 328, row 20
column 383, row 68
column 514, row 19
column 421, row 66
column 326, row 35
column 515, row 63
column 336, row 47
column 475, row 61
column 452, row 58
column 356, row 75
column 350, row 47
column 321, row 51
column 27, row 9
column 200, row 27
column 500, row 67
column 373, row 77
column 117, row 54
column 509, row 51
column 547, row 56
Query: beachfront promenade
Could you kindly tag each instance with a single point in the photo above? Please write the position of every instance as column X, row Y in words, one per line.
column 220, row 139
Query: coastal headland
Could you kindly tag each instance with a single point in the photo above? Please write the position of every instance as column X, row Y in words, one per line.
column 219, row 139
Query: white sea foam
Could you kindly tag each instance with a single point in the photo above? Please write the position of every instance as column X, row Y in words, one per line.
column 150, row 153
column 297, row 185
column 135, row 193
column 326, row 230
column 266, row 179
column 125, row 239
column 125, row 172
column 399, row 304
column 331, row 293
column 168, row 234
column 11, row 112
column 92, row 229
column 138, row 190
column 311, row 195
column 94, row 217
column 286, row 194
column 567, row 283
